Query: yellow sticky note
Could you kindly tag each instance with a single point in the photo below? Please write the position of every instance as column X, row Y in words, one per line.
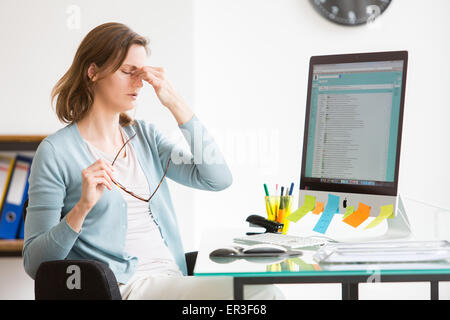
column 302, row 264
column 359, row 216
column 348, row 211
column 307, row 206
column 319, row 208
column 385, row 212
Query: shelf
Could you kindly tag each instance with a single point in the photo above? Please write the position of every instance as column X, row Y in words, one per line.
column 21, row 138
column 11, row 248
column 16, row 143
column 20, row 142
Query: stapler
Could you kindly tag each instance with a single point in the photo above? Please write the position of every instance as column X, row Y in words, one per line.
column 258, row 221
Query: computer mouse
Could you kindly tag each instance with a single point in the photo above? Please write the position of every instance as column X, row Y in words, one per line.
column 264, row 248
column 225, row 252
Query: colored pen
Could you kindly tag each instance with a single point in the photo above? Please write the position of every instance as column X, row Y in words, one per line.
column 266, row 190
column 268, row 202
column 291, row 189
column 281, row 211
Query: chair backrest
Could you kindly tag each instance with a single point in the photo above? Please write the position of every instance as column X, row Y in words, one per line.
column 24, row 210
column 75, row 280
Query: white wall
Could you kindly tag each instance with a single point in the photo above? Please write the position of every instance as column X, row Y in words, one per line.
column 252, row 60
column 242, row 66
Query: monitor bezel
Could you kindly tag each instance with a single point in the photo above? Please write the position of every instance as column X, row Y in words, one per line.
column 392, row 188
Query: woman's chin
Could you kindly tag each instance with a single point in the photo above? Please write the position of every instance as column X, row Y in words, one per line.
column 129, row 107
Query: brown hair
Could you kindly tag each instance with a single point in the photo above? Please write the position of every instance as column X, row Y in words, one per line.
column 107, row 46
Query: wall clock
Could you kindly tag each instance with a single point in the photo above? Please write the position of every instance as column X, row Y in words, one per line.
column 351, row 12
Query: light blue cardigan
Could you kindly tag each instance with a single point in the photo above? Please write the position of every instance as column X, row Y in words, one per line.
column 55, row 188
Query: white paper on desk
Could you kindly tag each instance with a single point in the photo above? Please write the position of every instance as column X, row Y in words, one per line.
column 400, row 251
column 420, row 265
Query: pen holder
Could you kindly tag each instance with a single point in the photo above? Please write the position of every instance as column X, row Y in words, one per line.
column 278, row 208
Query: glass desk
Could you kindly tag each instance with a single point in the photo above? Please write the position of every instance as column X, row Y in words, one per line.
column 427, row 222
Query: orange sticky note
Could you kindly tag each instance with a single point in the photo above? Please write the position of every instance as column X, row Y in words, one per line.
column 319, row 208
column 359, row 216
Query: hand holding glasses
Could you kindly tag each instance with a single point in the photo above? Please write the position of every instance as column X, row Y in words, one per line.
column 100, row 175
column 94, row 179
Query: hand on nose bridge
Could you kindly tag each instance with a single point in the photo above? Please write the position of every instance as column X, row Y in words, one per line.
column 137, row 79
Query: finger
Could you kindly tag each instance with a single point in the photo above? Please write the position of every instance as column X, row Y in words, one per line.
column 102, row 165
column 100, row 162
column 92, row 180
column 136, row 73
column 157, row 69
column 139, row 76
column 109, row 165
column 152, row 79
column 150, row 69
column 103, row 181
column 146, row 72
column 105, row 175
column 91, row 176
column 106, row 179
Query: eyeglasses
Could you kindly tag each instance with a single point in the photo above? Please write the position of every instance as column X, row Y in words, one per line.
column 130, row 192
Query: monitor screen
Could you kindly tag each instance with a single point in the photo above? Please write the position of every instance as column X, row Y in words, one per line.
column 353, row 123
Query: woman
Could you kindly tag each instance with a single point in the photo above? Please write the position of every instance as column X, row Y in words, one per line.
column 131, row 226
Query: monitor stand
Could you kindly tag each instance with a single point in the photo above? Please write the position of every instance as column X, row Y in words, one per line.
column 399, row 226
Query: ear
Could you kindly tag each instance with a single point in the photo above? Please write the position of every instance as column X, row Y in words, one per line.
column 92, row 72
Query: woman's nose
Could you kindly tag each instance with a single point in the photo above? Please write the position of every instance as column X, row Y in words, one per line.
column 138, row 83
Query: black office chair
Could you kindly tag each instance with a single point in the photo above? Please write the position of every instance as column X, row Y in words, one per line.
column 96, row 282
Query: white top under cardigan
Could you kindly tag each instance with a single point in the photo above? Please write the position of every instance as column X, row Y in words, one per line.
column 143, row 239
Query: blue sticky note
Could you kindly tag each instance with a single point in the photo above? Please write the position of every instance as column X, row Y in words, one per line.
column 327, row 214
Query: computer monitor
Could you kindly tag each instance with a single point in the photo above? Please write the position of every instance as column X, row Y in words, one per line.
column 353, row 128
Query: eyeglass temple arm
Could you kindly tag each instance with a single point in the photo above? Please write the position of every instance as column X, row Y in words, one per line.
column 122, row 148
column 165, row 172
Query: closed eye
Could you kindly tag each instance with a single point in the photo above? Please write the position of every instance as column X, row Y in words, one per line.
column 126, row 72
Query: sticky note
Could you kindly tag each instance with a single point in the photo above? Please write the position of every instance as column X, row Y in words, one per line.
column 302, row 264
column 330, row 210
column 287, row 265
column 273, row 267
column 385, row 212
column 316, row 267
column 348, row 211
column 307, row 206
column 319, row 208
column 359, row 216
